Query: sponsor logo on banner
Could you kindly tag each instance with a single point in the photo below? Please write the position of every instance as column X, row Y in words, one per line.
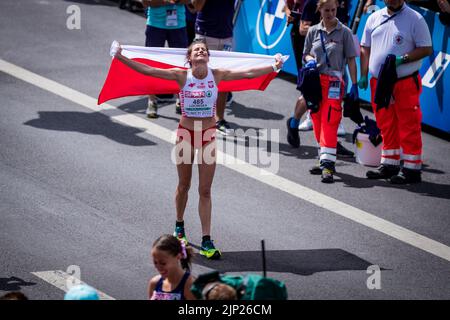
column 271, row 23
column 436, row 70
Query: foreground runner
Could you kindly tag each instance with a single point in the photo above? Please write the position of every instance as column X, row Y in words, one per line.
column 172, row 259
column 198, row 93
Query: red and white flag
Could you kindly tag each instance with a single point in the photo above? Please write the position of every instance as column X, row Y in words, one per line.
column 123, row 81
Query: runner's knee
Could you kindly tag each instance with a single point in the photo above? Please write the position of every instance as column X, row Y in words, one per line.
column 204, row 192
column 183, row 187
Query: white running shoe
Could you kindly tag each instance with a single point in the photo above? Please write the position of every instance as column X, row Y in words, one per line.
column 152, row 109
column 341, row 130
column 307, row 124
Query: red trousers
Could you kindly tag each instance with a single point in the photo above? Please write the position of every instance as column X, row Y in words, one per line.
column 400, row 124
column 326, row 120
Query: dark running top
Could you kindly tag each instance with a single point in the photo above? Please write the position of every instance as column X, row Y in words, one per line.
column 176, row 294
column 216, row 19
column 310, row 13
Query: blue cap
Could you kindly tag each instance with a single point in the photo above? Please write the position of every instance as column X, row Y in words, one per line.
column 82, row 292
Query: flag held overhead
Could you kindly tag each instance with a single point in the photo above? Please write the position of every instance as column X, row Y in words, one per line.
column 123, row 81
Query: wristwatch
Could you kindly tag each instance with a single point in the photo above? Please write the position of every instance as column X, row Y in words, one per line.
column 405, row 58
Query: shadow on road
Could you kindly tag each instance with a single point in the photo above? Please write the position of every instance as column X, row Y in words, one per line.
column 135, row 106
column 13, row 284
column 424, row 188
column 89, row 123
column 309, row 152
column 301, row 262
column 240, row 111
column 426, row 168
column 140, row 105
column 131, row 6
column 237, row 126
column 304, row 152
column 108, row 3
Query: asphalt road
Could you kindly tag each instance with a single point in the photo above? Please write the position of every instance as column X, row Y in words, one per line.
column 78, row 187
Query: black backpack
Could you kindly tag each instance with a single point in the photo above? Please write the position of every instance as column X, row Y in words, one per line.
column 308, row 83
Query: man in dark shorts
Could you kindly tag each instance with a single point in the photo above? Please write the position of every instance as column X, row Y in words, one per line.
column 214, row 25
column 166, row 21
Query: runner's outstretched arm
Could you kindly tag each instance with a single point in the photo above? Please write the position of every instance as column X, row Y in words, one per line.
column 169, row 74
column 224, row 74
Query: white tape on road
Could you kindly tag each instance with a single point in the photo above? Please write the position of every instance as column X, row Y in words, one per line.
column 345, row 210
column 319, row 199
column 60, row 280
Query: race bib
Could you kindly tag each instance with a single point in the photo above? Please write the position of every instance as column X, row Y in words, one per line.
column 171, row 18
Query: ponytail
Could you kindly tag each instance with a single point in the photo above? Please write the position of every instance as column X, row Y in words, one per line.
column 187, row 253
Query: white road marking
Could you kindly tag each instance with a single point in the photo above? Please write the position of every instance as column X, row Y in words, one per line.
column 60, row 278
column 357, row 215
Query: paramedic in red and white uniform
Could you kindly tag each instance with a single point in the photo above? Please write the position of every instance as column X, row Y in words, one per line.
column 403, row 32
column 329, row 46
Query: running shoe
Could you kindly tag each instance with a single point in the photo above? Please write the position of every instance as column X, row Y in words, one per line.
column 209, row 251
column 307, row 124
column 293, row 137
column 327, row 175
column 180, row 234
column 152, row 109
column 224, row 127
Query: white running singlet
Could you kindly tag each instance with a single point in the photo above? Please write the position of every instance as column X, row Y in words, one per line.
column 198, row 97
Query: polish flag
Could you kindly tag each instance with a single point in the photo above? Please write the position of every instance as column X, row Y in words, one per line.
column 123, row 81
